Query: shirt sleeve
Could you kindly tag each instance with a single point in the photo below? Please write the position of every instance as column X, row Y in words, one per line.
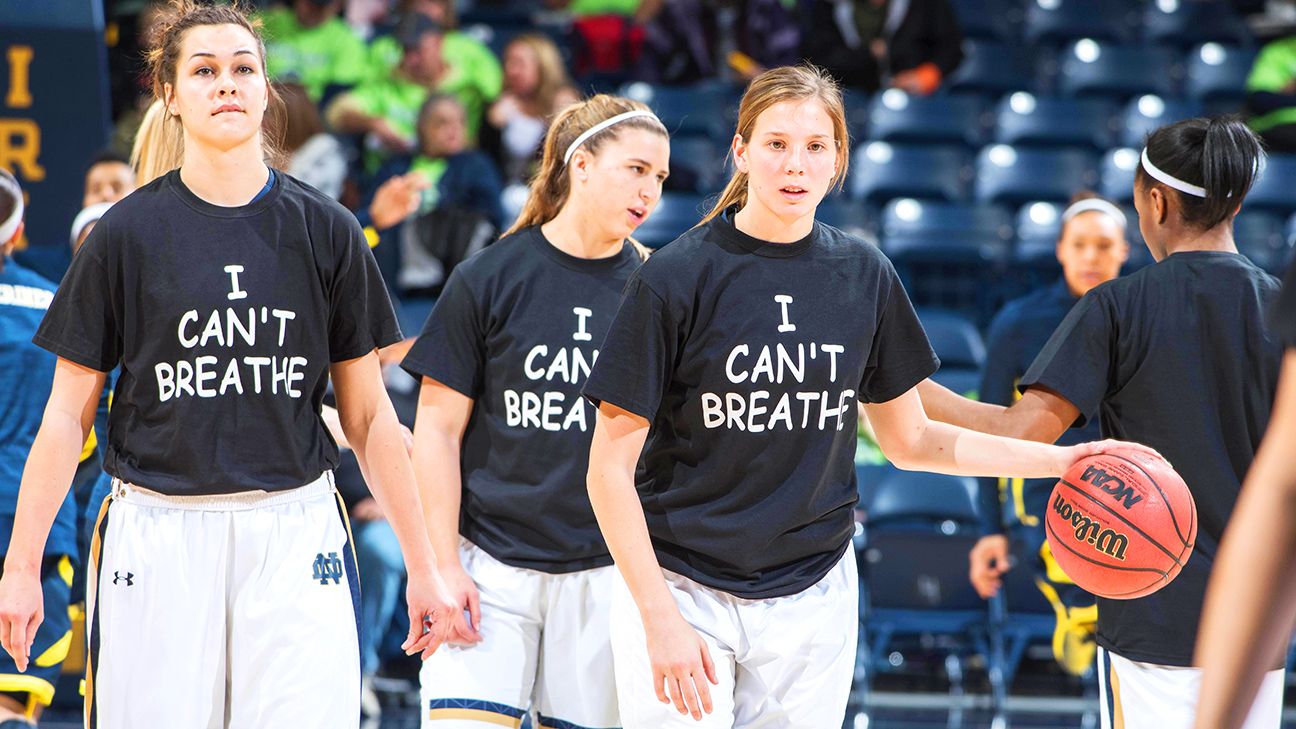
column 83, row 323
column 452, row 346
column 900, row 356
column 634, row 365
column 361, row 318
column 1076, row 362
column 1284, row 316
column 1271, row 70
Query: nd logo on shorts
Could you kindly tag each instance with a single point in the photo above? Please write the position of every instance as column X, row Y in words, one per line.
column 326, row 568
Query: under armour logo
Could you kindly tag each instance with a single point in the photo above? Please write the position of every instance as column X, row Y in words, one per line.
column 327, row 568
column 128, row 578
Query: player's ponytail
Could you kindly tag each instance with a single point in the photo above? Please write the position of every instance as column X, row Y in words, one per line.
column 551, row 184
column 1208, row 164
column 775, row 86
column 159, row 144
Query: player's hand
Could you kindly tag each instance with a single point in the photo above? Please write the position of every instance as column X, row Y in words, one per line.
column 434, row 615
column 1093, row 448
column 464, row 592
column 21, row 613
column 680, row 661
column 988, row 561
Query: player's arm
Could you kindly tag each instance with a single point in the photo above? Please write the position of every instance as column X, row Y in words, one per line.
column 443, row 415
column 370, row 424
column 69, row 416
column 1251, row 601
column 679, row 656
column 913, row 441
column 1041, row 414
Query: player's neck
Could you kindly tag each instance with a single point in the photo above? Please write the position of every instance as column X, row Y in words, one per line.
column 227, row 178
column 578, row 233
column 761, row 223
column 1219, row 238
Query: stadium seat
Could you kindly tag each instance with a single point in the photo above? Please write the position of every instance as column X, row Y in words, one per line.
column 993, row 68
column 1274, row 190
column 1185, row 23
column 1007, row 175
column 849, row 216
column 698, row 109
column 1095, row 68
column 1039, row 224
column 1260, row 237
column 882, row 171
column 895, row 116
column 1116, row 174
column 676, row 213
column 1144, row 114
column 1055, row 22
column 1024, row 118
column 907, row 216
column 1216, row 75
column 857, row 113
column 999, row 20
column 697, row 164
column 959, row 346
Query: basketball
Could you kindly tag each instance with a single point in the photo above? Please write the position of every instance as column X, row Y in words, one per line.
column 1121, row 524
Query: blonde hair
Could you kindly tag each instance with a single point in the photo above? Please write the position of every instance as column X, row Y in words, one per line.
column 161, row 140
column 775, row 86
column 553, row 72
column 551, row 184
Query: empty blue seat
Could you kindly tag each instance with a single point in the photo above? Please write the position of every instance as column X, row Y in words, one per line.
column 907, row 216
column 882, row 170
column 697, row 164
column 990, row 19
column 1024, row 118
column 857, row 113
column 1116, row 174
column 1059, row 21
column 994, row 68
column 895, row 116
column 675, row 213
column 1185, row 23
column 954, row 337
column 1039, row 224
column 1260, row 237
column 1091, row 67
column 932, row 498
column 1007, row 175
column 698, row 109
column 1274, row 190
column 1144, row 114
column 850, row 216
column 1216, row 75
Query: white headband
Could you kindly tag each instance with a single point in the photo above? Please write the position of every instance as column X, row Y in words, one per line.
column 571, row 149
column 1167, row 179
column 88, row 216
column 1094, row 204
column 10, row 226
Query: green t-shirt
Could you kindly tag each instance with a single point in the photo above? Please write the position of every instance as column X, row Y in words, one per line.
column 431, row 170
column 1274, row 68
column 475, row 76
column 329, row 53
column 603, row 7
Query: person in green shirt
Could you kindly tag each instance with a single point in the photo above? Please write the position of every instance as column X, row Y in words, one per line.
column 309, row 44
column 1271, row 95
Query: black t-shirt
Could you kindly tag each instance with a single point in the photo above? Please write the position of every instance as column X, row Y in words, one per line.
column 1284, row 314
column 747, row 358
column 224, row 321
column 517, row 329
column 1176, row 356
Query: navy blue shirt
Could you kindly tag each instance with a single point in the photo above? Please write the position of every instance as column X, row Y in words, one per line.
column 26, row 376
column 1177, row 356
column 747, row 358
column 1284, row 315
column 1017, row 334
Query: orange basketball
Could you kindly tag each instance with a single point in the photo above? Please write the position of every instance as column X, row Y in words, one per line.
column 1121, row 524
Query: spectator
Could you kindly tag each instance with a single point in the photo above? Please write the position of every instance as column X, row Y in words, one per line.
column 474, row 72
column 867, row 44
column 610, row 32
column 536, row 86
column 109, row 179
column 314, row 156
column 310, row 44
column 435, row 208
column 1271, row 95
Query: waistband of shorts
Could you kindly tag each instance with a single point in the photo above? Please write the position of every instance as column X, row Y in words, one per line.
column 242, row 501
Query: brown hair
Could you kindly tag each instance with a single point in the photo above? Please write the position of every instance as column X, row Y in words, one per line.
column 553, row 72
column 552, row 184
column 775, row 86
column 178, row 17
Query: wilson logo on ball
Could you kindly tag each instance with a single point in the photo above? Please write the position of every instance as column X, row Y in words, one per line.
column 1112, row 485
column 1107, row 541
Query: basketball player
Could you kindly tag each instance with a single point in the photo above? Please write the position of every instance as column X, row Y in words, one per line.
column 502, row 437
column 1091, row 247
column 26, row 374
column 1250, row 605
column 228, row 292
column 730, row 377
column 1177, row 356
